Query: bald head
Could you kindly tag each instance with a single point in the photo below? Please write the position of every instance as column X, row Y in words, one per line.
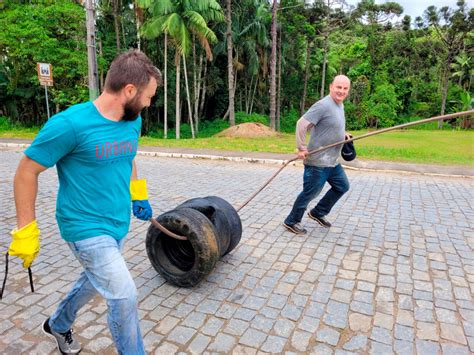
column 341, row 78
column 339, row 88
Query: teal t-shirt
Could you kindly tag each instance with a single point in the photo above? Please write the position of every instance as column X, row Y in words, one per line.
column 93, row 156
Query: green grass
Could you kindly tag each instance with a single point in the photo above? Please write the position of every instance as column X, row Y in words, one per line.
column 20, row 133
column 445, row 147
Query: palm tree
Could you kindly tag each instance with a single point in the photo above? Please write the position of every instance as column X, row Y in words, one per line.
column 250, row 24
column 179, row 19
column 463, row 69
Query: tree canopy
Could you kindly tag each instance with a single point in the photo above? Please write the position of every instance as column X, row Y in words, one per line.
column 400, row 68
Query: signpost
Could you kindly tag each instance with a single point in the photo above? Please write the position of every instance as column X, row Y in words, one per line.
column 45, row 77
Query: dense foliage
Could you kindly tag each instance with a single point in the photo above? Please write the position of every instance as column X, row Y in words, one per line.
column 401, row 69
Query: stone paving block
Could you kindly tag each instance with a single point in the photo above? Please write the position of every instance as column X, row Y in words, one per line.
column 194, row 320
column 380, row 348
column 300, row 340
column 181, row 335
column 453, row 349
column 291, row 312
column 357, row 342
column 212, row 326
column 166, row 348
column 453, row 333
column 381, row 335
column 98, row 345
column 359, row 322
column 328, row 336
column 199, row 344
column 425, row 347
column 236, row 327
column 274, row 344
column 151, row 341
column 253, row 338
column 403, row 347
column 283, row 327
column 427, row 331
column 322, row 349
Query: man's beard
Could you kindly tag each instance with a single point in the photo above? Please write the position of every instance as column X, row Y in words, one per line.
column 132, row 109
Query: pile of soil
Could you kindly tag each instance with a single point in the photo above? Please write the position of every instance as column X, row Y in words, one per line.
column 248, row 130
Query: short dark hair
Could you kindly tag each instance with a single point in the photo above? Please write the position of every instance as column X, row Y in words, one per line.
column 131, row 67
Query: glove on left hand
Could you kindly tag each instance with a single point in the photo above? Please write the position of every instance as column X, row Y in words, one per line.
column 142, row 209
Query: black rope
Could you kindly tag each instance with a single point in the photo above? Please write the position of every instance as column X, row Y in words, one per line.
column 30, row 275
column 6, row 274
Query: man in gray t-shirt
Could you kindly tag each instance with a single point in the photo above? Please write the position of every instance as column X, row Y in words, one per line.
column 326, row 122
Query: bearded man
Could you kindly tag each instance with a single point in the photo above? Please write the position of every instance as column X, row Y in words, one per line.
column 93, row 146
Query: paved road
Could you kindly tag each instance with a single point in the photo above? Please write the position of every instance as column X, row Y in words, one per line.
column 395, row 273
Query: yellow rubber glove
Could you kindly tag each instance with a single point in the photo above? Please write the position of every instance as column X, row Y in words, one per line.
column 138, row 190
column 25, row 243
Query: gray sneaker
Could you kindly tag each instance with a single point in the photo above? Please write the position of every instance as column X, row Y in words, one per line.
column 295, row 228
column 65, row 341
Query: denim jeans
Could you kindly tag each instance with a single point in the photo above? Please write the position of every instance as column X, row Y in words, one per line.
column 106, row 273
column 314, row 179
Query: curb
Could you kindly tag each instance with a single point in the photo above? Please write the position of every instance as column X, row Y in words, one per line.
column 240, row 159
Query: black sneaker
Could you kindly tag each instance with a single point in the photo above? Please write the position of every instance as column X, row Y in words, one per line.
column 295, row 228
column 65, row 341
column 321, row 220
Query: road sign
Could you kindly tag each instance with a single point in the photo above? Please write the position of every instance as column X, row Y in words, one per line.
column 45, row 73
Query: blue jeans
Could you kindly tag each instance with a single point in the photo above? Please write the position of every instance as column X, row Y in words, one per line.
column 314, row 179
column 106, row 273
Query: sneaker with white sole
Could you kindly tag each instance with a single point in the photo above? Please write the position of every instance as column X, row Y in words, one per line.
column 65, row 341
column 295, row 228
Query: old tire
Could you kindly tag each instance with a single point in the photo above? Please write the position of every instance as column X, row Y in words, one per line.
column 232, row 218
column 217, row 217
column 183, row 263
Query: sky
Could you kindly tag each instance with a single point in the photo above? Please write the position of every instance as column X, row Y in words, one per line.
column 416, row 8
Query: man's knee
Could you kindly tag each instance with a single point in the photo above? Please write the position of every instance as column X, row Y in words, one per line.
column 342, row 188
column 126, row 303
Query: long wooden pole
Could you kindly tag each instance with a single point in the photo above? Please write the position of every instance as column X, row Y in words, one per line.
column 409, row 124
column 404, row 125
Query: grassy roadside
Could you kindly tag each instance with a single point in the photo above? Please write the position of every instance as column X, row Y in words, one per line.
column 446, row 147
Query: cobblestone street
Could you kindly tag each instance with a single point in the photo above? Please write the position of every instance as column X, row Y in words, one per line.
column 395, row 273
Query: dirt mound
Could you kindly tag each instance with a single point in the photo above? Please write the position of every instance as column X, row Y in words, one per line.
column 248, row 130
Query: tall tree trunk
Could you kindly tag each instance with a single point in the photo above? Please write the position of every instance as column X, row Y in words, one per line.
column 178, row 115
column 273, row 66
column 204, row 87
column 91, row 51
column 230, row 67
column 165, row 84
column 190, row 111
column 138, row 18
column 444, row 89
column 325, row 59
column 279, row 85
column 198, row 92
column 253, row 95
column 248, row 95
column 101, row 76
column 195, row 84
column 115, row 13
column 306, row 75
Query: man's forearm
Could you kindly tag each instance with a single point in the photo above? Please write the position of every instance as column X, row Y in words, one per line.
column 134, row 171
column 302, row 127
column 25, row 189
